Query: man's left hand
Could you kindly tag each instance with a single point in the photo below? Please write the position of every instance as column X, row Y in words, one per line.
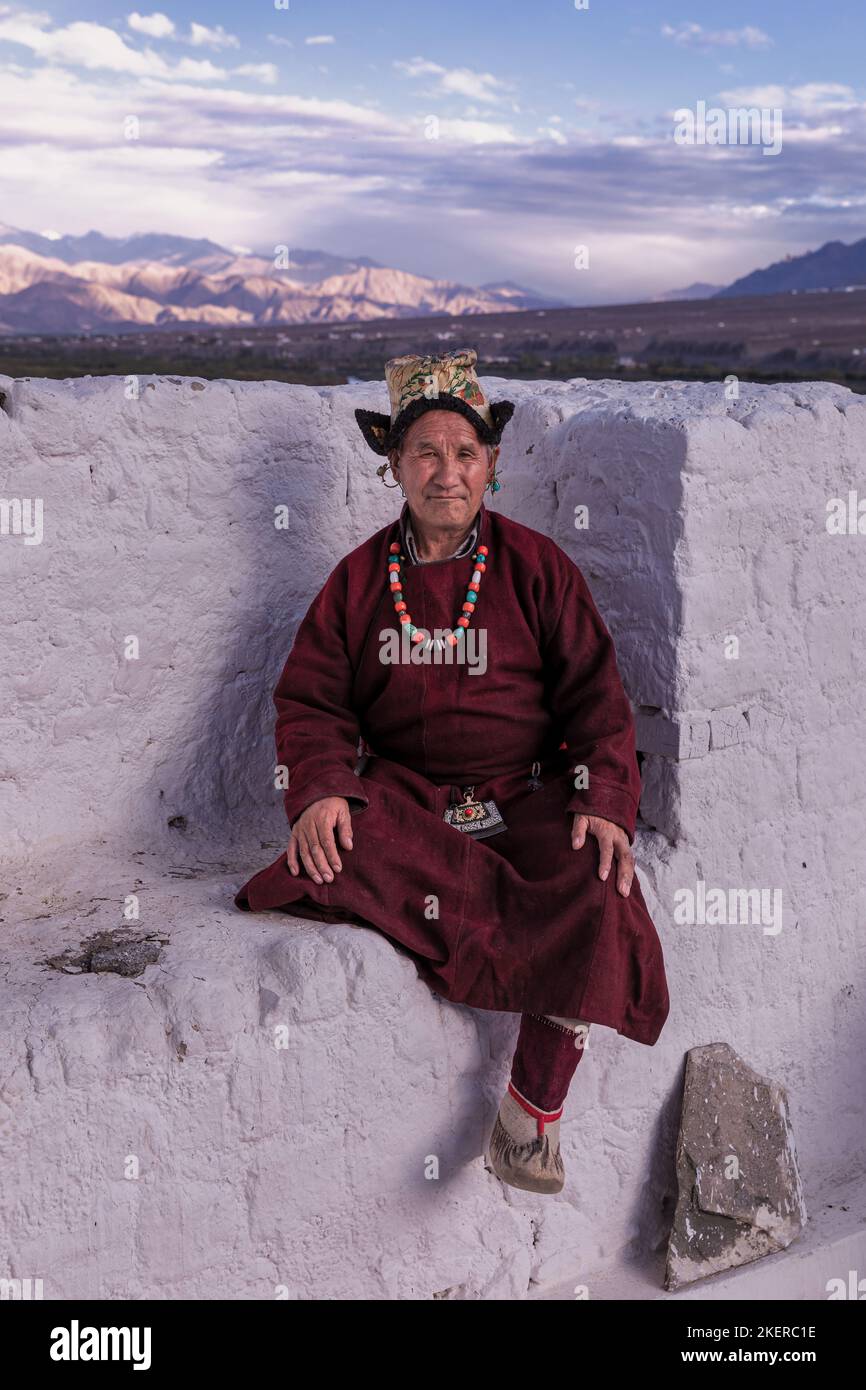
column 613, row 844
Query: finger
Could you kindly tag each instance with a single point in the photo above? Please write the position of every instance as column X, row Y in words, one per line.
column 307, row 858
column 321, row 861
column 328, row 846
column 625, row 871
column 606, row 857
column 292, row 855
column 578, row 833
column 344, row 821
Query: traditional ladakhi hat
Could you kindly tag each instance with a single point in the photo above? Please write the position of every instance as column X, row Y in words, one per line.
column 447, row 382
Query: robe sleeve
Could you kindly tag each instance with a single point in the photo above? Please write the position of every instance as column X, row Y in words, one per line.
column 317, row 731
column 588, row 701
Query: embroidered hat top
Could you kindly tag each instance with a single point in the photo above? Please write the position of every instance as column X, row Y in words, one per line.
column 447, row 382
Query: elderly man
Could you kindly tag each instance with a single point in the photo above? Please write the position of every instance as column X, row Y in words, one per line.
column 486, row 828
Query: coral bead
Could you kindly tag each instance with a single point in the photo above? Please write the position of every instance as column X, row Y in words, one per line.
column 405, row 618
column 394, row 547
column 400, row 607
column 482, row 550
column 463, row 622
column 394, row 566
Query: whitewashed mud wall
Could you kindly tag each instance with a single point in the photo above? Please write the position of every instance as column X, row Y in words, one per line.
column 740, row 630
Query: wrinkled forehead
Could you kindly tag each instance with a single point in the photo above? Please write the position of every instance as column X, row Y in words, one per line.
column 440, row 427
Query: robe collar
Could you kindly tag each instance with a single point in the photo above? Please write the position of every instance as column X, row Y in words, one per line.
column 477, row 536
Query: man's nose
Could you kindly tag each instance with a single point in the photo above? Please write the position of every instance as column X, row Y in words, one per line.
column 448, row 467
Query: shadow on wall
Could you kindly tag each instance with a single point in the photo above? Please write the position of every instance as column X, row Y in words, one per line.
column 301, row 501
column 607, row 487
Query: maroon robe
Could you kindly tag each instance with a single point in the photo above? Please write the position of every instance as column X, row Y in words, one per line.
column 520, row 920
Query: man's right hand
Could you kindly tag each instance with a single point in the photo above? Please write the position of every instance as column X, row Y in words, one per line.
column 313, row 838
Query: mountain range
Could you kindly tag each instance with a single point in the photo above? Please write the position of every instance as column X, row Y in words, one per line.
column 834, row 266
column 96, row 283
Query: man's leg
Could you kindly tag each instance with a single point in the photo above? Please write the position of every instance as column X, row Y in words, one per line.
column 545, row 1059
column 524, row 1146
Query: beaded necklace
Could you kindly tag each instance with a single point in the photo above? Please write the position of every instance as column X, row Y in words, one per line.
column 480, row 561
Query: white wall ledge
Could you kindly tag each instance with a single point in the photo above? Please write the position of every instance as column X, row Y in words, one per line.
column 261, row 1167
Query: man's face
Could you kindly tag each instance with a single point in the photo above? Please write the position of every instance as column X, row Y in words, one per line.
column 444, row 469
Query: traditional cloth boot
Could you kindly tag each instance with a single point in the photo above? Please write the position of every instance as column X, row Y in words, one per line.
column 524, row 1146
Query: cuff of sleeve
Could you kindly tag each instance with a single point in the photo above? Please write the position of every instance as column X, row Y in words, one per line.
column 346, row 786
column 609, row 802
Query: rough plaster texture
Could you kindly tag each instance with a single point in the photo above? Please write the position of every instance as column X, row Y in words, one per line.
column 303, row 1166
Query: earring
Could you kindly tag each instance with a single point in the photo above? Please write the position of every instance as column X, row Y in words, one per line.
column 382, row 470
column 494, row 483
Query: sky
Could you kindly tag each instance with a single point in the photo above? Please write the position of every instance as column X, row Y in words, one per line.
column 472, row 142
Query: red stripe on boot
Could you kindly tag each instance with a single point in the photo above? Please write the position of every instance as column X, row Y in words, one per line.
column 544, row 1117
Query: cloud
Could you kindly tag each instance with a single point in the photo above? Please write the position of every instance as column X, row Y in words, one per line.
column 551, row 132
column 810, row 99
column 94, row 47
column 464, row 82
column 690, row 35
column 159, row 26
column 320, row 38
column 468, row 132
column 318, row 118
column 80, row 44
column 196, row 70
column 203, row 37
column 262, row 72
column 156, row 26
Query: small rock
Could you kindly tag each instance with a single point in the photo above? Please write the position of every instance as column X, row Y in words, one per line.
column 107, row 952
column 128, row 959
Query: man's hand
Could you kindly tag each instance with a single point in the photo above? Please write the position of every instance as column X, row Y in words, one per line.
column 313, row 838
column 612, row 841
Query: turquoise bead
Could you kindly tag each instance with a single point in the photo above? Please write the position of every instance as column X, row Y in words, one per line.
column 396, row 596
column 470, row 596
